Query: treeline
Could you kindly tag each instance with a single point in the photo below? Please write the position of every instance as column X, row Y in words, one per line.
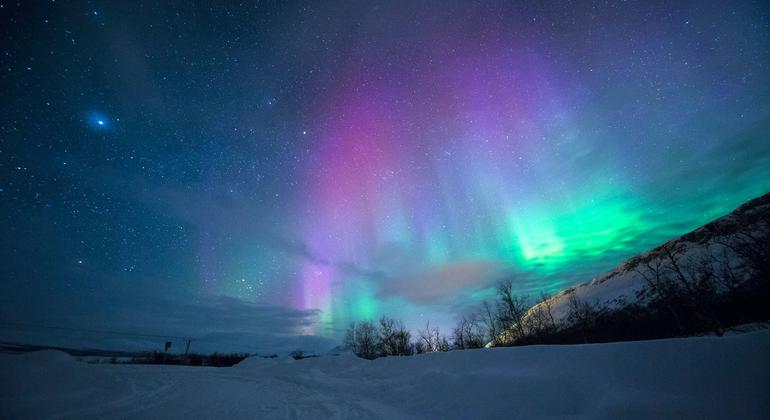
column 721, row 280
column 192, row 359
column 386, row 338
column 496, row 323
column 198, row 359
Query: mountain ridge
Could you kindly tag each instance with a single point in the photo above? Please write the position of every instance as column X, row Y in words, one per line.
column 625, row 282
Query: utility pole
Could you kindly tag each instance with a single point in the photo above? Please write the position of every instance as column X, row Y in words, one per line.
column 188, row 347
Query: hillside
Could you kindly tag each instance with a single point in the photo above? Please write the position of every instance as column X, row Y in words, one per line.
column 730, row 250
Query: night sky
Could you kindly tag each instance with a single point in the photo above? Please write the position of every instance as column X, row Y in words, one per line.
column 263, row 174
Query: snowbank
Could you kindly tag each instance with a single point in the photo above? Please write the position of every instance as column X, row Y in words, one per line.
column 707, row 377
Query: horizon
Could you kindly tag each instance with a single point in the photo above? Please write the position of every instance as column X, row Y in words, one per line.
column 133, row 342
column 258, row 180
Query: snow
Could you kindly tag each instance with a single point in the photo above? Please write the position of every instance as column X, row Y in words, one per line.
column 620, row 285
column 704, row 377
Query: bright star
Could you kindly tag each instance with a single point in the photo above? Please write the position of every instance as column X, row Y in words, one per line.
column 99, row 121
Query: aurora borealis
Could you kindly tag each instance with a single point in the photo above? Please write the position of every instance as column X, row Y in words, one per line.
column 352, row 160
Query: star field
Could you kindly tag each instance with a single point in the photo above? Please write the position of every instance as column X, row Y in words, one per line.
column 363, row 159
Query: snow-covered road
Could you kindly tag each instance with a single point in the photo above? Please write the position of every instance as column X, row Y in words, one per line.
column 705, row 377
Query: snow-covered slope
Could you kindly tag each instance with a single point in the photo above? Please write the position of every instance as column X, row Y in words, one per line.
column 703, row 378
column 622, row 283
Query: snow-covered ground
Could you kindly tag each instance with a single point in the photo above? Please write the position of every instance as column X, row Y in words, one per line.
column 706, row 377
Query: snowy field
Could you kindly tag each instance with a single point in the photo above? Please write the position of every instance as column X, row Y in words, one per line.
column 696, row 378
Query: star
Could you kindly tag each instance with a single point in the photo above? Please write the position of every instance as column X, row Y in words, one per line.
column 98, row 120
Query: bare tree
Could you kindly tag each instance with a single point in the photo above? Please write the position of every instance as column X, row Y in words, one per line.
column 581, row 315
column 362, row 339
column 425, row 338
column 387, row 336
column 660, row 289
column 458, row 334
column 546, row 307
column 724, row 263
column 490, row 322
column 431, row 339
column 695, row 283
column 539, row 320
column 511, row 311
column 468, row 333
column 395, row 339
column 752, row 248
column 442, row 344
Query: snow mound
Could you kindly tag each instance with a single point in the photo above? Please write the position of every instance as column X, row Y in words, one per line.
column 47, row 382
column 47, row 357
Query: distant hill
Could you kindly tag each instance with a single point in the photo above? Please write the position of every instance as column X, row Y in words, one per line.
column 18, row 348
column 716, row 274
